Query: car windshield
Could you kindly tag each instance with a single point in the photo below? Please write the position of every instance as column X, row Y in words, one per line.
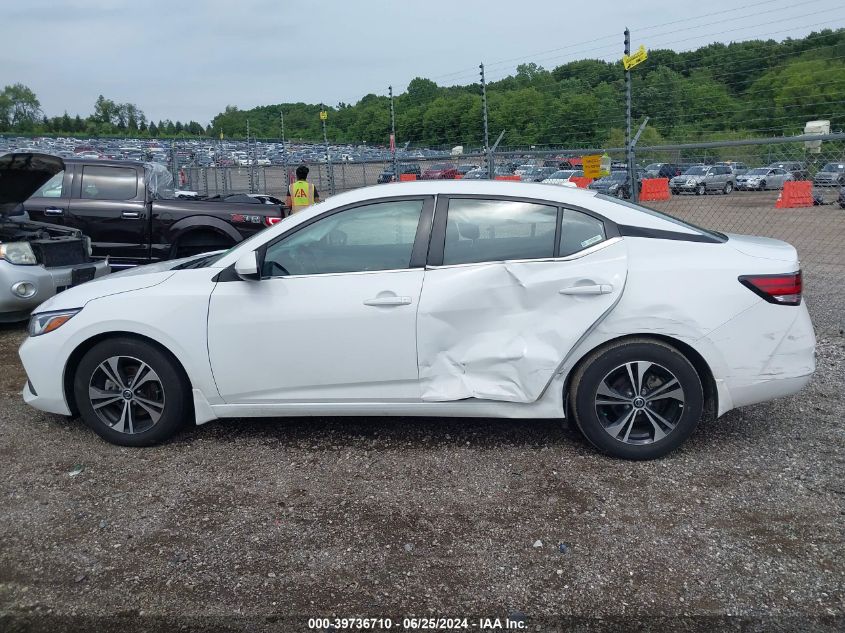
column 696, row 171
column 618, row 175
column 653, row 167
column 758, row 171
column 665, row 216
column 440, row 167
column 834, row 167
column 563, row 174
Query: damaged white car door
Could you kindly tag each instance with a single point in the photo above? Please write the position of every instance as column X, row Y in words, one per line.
column 511, row 287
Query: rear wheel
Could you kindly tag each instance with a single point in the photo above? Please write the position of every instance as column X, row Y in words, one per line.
column 130, row 392
column 637, row 399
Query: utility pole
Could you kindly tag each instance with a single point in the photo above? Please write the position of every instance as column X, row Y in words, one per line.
column 249, row 159
column 393, row 135
column 629, row 150
column 484, row 115
column 284, row 151
column 329, row 167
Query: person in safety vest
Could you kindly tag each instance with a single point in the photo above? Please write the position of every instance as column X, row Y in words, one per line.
column 301, row 194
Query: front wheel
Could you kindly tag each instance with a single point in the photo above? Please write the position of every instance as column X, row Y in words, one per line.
column 620, row 193
column 701, row 190
column 729, row 186
column 763, row 185
column 130, row 392
column 637, row 399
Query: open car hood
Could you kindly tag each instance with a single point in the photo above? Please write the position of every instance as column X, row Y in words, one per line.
column 22, row 174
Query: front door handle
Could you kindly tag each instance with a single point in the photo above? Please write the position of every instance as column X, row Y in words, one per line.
column 388, row 301
column 598, row 289
column 54, row 211
column 130, row 215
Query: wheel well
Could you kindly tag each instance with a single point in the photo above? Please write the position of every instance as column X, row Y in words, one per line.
column 82, row 349
column 708, row 382
column 200, row 235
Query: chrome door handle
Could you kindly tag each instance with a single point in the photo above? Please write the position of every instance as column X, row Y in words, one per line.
column 54, row 211
column 598, row 289
column 130, row 215
column 388, row 301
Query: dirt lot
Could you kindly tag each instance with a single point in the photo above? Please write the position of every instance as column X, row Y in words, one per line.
column 260, row 525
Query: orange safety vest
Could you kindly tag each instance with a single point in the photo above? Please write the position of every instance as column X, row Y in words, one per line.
column 301, row 195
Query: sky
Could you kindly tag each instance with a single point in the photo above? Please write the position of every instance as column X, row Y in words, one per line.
column 188, row 60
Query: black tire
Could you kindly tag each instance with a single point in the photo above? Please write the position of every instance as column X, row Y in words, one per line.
column 729, row 186
column 762, row 185
column 197, row 242
column 170, row 384
column 604, row 362
column 701, row 190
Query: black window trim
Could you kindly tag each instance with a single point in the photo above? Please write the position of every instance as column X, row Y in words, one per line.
column 418, row 250
column 438, row 233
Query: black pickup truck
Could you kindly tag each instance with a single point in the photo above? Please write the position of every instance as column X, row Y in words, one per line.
column 129, row 211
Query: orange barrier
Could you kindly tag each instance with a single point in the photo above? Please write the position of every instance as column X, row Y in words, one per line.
column 407, row 177
column 511, row 178
column 580, row 181
column 655, row 189
column 458, row 177
column 795, row 194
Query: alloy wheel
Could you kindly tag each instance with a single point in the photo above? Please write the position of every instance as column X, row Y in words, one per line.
column 639, row 402
column 126, row 394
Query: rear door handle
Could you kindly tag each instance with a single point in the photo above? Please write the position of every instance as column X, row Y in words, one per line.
column 598, row 289
column 130, row 215
column 54, row 211
column 388, row 301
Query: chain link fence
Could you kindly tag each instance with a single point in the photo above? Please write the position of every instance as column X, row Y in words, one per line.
column 728, row 186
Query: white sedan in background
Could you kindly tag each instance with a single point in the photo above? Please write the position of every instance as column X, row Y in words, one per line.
column 438, row 298
column 564, row 177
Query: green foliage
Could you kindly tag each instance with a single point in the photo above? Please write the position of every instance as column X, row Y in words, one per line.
column 753, row 88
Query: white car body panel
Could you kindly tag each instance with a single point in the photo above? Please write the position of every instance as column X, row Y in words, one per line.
column 313, row 337
column 272, row 346
column 499, row 331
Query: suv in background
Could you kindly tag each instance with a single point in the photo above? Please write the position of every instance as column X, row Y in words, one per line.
column 662, row 170
column 736, row 167
column 831, row 175
column 703, row 178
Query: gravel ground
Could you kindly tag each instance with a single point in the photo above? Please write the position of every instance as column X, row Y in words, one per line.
column 260, row 525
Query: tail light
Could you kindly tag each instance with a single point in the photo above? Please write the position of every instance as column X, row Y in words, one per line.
column 270, row 221
column 782, row 289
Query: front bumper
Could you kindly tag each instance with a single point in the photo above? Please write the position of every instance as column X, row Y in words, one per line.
column 47, row 281
column 744, row 185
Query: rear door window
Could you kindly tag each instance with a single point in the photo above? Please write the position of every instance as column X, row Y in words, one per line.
column 109, row 183
column 498, row 230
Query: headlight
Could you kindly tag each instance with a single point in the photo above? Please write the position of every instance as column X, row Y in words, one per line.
column 613, row 187
column 48, row 321
column 18, row 253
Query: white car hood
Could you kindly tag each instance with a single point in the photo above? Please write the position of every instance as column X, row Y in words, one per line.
column 103, row 287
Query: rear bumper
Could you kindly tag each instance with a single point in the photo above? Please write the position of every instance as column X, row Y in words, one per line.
column 47, row 281
column 766, row 352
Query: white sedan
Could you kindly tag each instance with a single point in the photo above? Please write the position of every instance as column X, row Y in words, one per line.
column 438, row 298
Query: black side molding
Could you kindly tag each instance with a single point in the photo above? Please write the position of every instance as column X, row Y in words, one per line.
column 659, row 234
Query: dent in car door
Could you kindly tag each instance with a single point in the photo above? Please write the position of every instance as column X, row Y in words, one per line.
column 499, row 330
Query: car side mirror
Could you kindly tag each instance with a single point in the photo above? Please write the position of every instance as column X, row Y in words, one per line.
column 247, row 267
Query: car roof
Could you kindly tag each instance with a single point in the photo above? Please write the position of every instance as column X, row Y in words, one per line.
column 610, row 208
